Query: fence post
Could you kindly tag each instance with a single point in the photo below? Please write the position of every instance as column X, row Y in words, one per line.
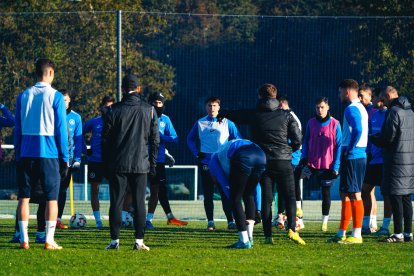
column 118, row 54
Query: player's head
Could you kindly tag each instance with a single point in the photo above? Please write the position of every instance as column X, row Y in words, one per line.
column 267, row 91
column 322, row 107
column 376, row 99
column 130, row 84
column 66, row 97
column 365, row 94
column 107, row 101
column 45, row 70
column 212, row 106
column 348, row 90
column 388, row 95
column 283, row 102
column 157, row 100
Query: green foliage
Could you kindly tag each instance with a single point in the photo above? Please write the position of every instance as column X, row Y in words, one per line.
column 192, row 250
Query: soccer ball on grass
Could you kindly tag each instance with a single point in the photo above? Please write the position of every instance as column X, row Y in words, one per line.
column 77, row 221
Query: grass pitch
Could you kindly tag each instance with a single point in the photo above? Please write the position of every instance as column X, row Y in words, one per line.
column 192, row 250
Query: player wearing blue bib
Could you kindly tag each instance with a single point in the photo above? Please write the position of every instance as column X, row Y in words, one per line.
column 7, row 120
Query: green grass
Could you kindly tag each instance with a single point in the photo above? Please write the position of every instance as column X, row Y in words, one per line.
column 192, row 250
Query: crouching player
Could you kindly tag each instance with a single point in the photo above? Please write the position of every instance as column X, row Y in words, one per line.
column 237, row 166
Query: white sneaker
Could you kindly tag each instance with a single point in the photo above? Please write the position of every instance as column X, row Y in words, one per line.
column 142, row 247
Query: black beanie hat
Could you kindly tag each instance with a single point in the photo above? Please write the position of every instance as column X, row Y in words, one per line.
column 157, row 96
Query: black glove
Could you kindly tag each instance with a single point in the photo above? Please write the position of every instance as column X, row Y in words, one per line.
column 201, row 156
column 75, row 166
column 302, row 162
column 89, row 152
column 220, row 117
column 152, row 173
column 329, row 175
column 63, row 169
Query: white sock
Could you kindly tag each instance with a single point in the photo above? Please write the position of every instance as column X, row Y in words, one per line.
column 373, row 222
column 365, row 222
column 113, row 242
column 150, row 216
column 325, row 219
column 23, row 226
column 250, row 227
column 299, row 204
column 123, row 215
column 386, row 223
column 341, row 233
column 97, row 215
column 170, row 215
column 356, row 232
column 50, row 231
column 139, row 241
column 243, row 236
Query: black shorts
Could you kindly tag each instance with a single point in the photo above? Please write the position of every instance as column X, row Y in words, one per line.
column 373, row 175
column 95, row 171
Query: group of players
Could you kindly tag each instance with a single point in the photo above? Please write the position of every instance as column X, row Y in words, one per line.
column 246, row 170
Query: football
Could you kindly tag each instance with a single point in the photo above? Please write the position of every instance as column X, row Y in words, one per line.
column 77, row 221
column 129, row 220
column 299, row 224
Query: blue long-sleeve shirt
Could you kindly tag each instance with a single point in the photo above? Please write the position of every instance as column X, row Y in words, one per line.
column 74, row 122
column 95, row 126
column 41, row 129
column 355, row 130
column 7, row 120
column 167, row 135
column 375, row 125
column 210, row 135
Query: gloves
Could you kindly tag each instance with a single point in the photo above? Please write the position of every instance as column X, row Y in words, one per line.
column 63, row 169
column 89, row 152
column 169, row 159
column 329, row 174
column 302, row 162
column 220, row 117
column 75, row 166
column 201, row 156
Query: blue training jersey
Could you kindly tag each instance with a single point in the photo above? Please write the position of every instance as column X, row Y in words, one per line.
column 95, row 126
column 74, row 122
column 211, row 135
column 375, row 125
column 355, row 130
column 41, row 129
column 167, row 135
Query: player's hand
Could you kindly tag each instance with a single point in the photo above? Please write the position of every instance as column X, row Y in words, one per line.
column 75, row 166
column 169, row 160
column 302, row 162
column 201, row 156
column 220, row 118
column 63, row 169
column 153, row 172
column 89, row 152
column 329, row 174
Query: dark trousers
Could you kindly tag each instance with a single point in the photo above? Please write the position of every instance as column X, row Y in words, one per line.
column 402, row 210
column 280, row 171
column 159, row 191
column 208, row 188
column 118, row 184
column 64, row 184
column 281, row 205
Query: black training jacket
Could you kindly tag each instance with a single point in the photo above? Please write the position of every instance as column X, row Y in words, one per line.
column 270, row 128
column 130, row 136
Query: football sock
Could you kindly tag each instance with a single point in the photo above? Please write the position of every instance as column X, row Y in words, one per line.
column 373, row 222
column 243, row 236
column 97, row 215
column 341, row 233
column 123, row 215
column 139, row 241
column 386, row 223
column 357, row 215
column 366, row 222
column 150, row 216
column 346, row 214
column 40, row 234
column 325, row 219
column 299, row 204
column 50, row 231
column 170, row 215
column 113, row 242
column 58, row 219
column 23, row 226
column 250, row 227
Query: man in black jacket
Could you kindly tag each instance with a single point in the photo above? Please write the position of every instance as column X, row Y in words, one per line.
column 397, row 139
column 130, row 127
column 271, row 128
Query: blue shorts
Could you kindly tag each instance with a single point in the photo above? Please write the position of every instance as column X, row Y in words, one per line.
column 30, row 170
column 95, row 171
column 250, row 159
column 352, row 175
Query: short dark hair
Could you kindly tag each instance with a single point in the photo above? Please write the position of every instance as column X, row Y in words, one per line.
column 268, row 90
column 320, row 100
column 107, row 99
column 283, row 98
column 64, row 91
column 365, row 87
column 212, row 99
column 42, row 65
column 349, row 83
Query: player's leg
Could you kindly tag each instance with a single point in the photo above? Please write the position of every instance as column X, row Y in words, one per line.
column 95, row 177
column 126, row 209
column 41, row 222
column 117, row 189
column 249, row 201
column 266, row 182
column 397, row 211
column 384, row 230
column 226, row 205
column 326, row 206
column 16, row 236
column 153, row 200
column 298, row 193
column 286, row 184
column 408, row 217
column 138, row 184
column 258, row 203
column 64, row 184
column 208, row 188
